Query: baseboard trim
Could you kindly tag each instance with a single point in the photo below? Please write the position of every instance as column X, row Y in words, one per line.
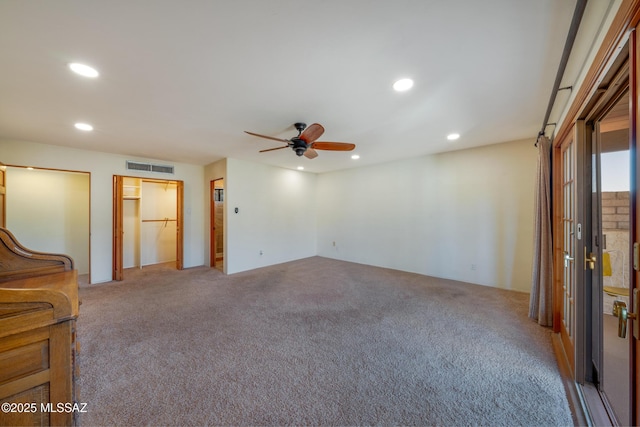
column 579, row 411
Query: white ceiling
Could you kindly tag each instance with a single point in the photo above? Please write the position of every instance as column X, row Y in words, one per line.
column 181, row 80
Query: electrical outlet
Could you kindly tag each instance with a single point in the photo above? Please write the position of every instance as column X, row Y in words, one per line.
column 473, row 267
column 334, row 243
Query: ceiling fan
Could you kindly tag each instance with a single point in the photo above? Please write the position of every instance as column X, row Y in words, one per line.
column 305, row 143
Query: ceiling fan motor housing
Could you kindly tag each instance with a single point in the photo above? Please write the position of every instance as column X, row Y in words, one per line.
column 299, row 146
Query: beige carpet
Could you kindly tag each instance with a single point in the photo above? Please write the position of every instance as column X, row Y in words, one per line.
column 313, row 342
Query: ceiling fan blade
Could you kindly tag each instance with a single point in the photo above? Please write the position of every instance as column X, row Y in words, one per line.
column 267, row 137
column 311, row 133
column 272, row 149
column 333, row 146
column 311, row 153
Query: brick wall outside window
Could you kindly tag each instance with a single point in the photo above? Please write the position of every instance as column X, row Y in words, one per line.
column 615, row 210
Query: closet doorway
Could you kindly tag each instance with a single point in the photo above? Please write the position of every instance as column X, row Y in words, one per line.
column 217, row 224
column 147, row 223
column 48, row 210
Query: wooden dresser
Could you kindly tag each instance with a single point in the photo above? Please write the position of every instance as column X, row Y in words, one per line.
column 38, row 346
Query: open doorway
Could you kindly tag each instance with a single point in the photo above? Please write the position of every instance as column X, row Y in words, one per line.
column 217, row 224
column 48, row 210
column 147, row 223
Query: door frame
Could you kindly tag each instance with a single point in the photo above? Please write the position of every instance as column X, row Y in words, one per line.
column 577, row 347
column 3, row 200
column 634, row 204
column 118, row 222
column 567, row 341
column 212, row 235
column 616, row 86
column 621, row 31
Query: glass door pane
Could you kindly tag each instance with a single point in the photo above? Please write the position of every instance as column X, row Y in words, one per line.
column 613, row 237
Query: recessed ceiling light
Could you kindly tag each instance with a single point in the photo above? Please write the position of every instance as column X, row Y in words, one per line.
column 403, row 84
column 453, row 136
column 29, row 168
column 300, row 168
column 84, row 126
column 355, row 157
column 83, row 70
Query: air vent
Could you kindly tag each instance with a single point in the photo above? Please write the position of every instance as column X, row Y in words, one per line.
column 162, row 168
column 134, row 166
column 148, row 167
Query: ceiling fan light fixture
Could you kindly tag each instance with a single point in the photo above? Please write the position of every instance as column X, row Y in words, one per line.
column 83, row 70
column 453, row 136
column 403, row 85
column 300, row 168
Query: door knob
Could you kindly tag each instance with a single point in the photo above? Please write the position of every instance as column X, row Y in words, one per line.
column 623, row 315
column 589, row 261
column 567, row 259
column 620, row 309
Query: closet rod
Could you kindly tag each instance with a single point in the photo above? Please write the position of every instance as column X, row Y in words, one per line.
column 158, row 220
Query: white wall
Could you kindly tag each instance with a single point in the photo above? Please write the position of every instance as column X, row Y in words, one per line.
column 436, row 215
column 158, row 239
column 48, row 211
column 131, row 233
column 102, row 167
column 276, row 215
column 464, row 215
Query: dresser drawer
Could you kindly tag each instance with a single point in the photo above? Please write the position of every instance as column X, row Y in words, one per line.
column 24, row 360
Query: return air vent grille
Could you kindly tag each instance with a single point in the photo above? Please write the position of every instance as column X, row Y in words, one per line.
column 162, row 168
column 148, row 167
column 134, row 166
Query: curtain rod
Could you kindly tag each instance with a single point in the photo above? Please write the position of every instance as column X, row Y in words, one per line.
column 568, row 45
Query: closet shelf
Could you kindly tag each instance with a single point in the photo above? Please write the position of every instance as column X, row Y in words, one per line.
column 158, row 220
column 131, row 197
